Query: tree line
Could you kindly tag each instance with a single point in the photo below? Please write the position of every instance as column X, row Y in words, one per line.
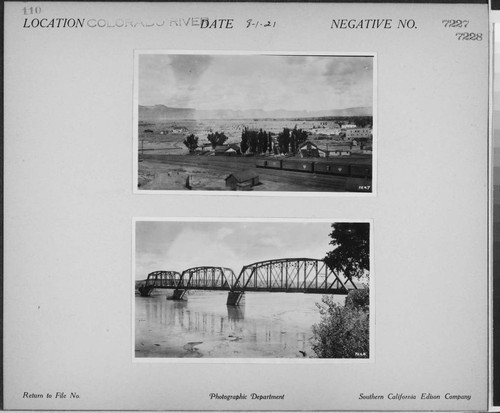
column 287, row 141
column 215, row 139
column 359, row 121
column 258, row 142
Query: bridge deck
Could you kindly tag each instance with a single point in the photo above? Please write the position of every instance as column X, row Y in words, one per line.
column 338, row 291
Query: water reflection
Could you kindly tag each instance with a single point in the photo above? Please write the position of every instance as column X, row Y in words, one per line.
column 235, row 313
column 268, row 325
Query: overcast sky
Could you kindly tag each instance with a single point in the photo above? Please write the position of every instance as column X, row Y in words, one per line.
column 265, row 82
column 178, row 246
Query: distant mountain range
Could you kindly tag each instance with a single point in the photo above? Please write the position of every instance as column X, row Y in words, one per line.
column 162, row 112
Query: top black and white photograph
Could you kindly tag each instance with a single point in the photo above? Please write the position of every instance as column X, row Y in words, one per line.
column 254, row 122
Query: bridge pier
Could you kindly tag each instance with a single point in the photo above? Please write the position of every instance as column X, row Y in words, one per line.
column 178, row 295
column 235, row 298
column 146, row 290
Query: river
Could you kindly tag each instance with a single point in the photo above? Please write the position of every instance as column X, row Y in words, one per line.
column 268, row 325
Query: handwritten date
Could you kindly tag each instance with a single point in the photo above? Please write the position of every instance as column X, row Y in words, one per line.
column 257, row 23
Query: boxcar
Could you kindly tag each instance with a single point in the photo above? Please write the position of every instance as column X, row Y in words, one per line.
column 275, row 163
column 261, row 163
column 361, row 170
column 331, row 169
column 297, row 165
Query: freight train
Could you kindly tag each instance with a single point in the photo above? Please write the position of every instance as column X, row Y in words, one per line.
column 321, row 167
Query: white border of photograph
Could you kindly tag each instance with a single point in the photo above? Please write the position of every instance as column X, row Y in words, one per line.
column 135, row 146
column 248, row 360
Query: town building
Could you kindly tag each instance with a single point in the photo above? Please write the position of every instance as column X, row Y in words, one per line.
column 353, row 133
column 360, row 142
column 368, row 149
column 227, row 150
column 340, row 150
column 348, row 126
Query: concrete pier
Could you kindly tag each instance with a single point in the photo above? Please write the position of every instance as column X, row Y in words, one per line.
column 235, row 298
column 178, row 295
column 146, row 291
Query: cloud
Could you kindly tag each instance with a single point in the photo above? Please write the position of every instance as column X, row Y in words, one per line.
column 267, row 82
column 344, row 75
column 224, row 232
column 189, row 68
column 170, row 79
column 349, row 66
column 177, row 246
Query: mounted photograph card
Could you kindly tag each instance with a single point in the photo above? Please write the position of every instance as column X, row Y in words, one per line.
column 254, row 121
column 246, row 206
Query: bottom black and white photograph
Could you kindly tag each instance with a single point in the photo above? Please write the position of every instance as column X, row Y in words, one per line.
column 240, row 289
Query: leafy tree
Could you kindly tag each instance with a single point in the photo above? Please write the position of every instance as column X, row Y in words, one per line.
column 293, row 140
column 244, row 140
column 253, row 141
column 217, row 139
column 343, row 331
column 297, row 138
column 284, row 140
column 301, row 136
column 191, row 142
column 351, row 253
column 261, row 141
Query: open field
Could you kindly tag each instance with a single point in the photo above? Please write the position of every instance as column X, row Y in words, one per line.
column 169, row 172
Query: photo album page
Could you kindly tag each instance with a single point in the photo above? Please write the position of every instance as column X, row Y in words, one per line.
column 246, row 206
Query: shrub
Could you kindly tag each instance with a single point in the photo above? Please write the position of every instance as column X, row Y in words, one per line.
column 359, row 299
column 343, row 331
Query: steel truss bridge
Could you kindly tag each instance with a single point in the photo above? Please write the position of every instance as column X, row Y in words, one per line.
column 289, row 275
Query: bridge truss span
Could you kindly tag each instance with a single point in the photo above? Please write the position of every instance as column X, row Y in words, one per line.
column 159, row 279
column 306, row 275
column 289, row 275
column 207, row 278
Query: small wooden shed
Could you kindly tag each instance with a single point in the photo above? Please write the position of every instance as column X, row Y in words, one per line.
column 242, row 180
